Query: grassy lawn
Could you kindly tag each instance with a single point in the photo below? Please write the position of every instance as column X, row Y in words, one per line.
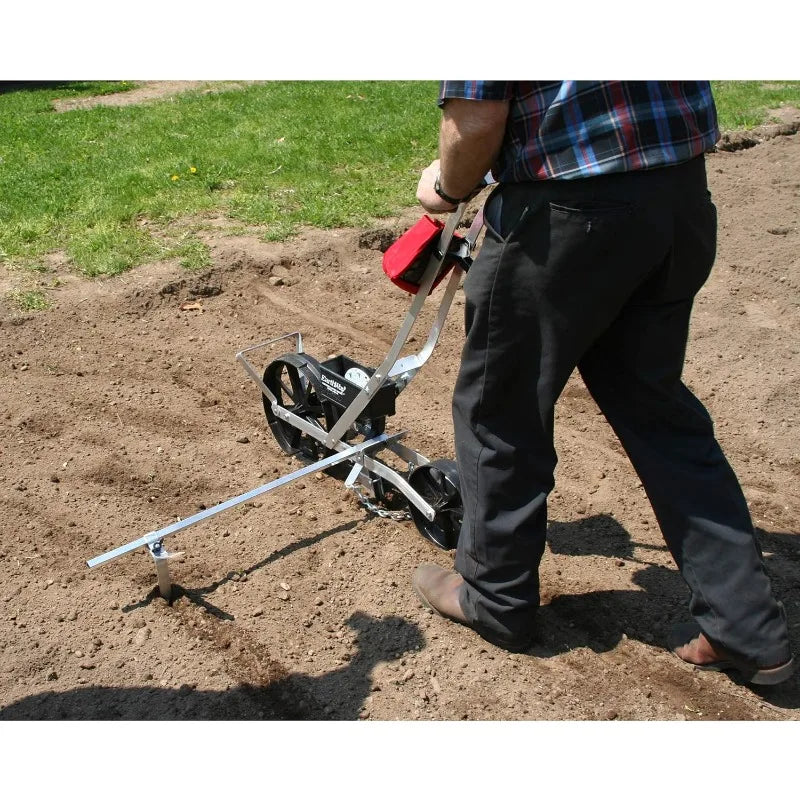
column 274, row 156
column 745, row 104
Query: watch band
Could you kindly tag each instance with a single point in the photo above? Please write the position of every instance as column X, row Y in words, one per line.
column 437, row 187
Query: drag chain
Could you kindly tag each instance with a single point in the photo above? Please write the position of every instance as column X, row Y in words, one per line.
column 383, row 513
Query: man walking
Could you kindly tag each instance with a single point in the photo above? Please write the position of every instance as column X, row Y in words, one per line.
column 599, row 235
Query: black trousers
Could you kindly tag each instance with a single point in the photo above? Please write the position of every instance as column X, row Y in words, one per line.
column 598, row 274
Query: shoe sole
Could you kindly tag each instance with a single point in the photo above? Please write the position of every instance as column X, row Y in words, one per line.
column 760, row 677
column 771, row 677
column 685, row 632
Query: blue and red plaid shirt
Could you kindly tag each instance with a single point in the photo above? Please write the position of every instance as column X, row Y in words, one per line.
column 576, row 129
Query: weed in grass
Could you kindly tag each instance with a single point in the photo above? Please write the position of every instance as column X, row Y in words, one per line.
column 194, row 254
column 35, row 266
column 29, row 299
column 279, row 232
column 111, row 248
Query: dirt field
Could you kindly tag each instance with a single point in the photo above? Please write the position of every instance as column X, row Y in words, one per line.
column 124, row 409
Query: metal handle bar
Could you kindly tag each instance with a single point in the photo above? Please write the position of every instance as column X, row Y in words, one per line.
column 382, row 372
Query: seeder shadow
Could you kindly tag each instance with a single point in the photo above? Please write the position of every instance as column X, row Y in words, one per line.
column 197, row 594
column 336, row 695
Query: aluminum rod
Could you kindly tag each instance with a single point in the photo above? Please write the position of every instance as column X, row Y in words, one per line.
column 414, row 362
column 408, row 455
column 297, row 335
column 251, row 370
column 155, row 536
column 161, row 557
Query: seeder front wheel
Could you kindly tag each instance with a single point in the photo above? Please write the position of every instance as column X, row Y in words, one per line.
column 291, row 378
column 439, row 485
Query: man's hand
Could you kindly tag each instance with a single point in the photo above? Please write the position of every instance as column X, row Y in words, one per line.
column 426, row 194
column 470, row 139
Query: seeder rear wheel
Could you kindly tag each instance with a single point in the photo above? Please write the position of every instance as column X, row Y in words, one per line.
column 439, row 485
column 291, row 379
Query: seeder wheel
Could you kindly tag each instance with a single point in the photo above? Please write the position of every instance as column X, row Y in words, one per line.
column 439, row 485
column 291, row 379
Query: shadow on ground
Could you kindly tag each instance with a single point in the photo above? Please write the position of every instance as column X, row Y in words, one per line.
column 599, row 619
column 336, row 695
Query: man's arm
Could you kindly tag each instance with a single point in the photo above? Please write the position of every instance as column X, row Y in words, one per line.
column 470, row 139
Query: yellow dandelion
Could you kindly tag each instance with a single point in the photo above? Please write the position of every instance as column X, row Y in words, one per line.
column 192, row 170
column 176, row 177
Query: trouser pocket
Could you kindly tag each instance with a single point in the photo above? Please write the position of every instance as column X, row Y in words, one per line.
column 504, row 213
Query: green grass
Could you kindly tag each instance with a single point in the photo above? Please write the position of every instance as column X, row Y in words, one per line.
column 745, row 104
column 194, row 254
column 275, row 156
column 29, row 300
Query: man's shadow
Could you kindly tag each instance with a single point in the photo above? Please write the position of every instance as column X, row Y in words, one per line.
column 598, row 619
column 337, row 695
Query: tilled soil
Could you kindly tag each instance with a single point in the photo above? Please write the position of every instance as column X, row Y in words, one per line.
column 124, row 409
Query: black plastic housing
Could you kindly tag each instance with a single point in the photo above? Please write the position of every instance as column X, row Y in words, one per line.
column 341, row 392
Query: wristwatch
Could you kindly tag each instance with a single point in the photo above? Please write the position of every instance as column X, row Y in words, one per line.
column 437, row 187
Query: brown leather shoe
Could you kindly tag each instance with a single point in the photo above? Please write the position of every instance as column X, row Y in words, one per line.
column 438, row 589
column 691, row 645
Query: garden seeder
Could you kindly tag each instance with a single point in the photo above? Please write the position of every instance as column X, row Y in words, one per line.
column 333, row 413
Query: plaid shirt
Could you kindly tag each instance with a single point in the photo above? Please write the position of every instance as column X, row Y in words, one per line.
column 576, row 129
